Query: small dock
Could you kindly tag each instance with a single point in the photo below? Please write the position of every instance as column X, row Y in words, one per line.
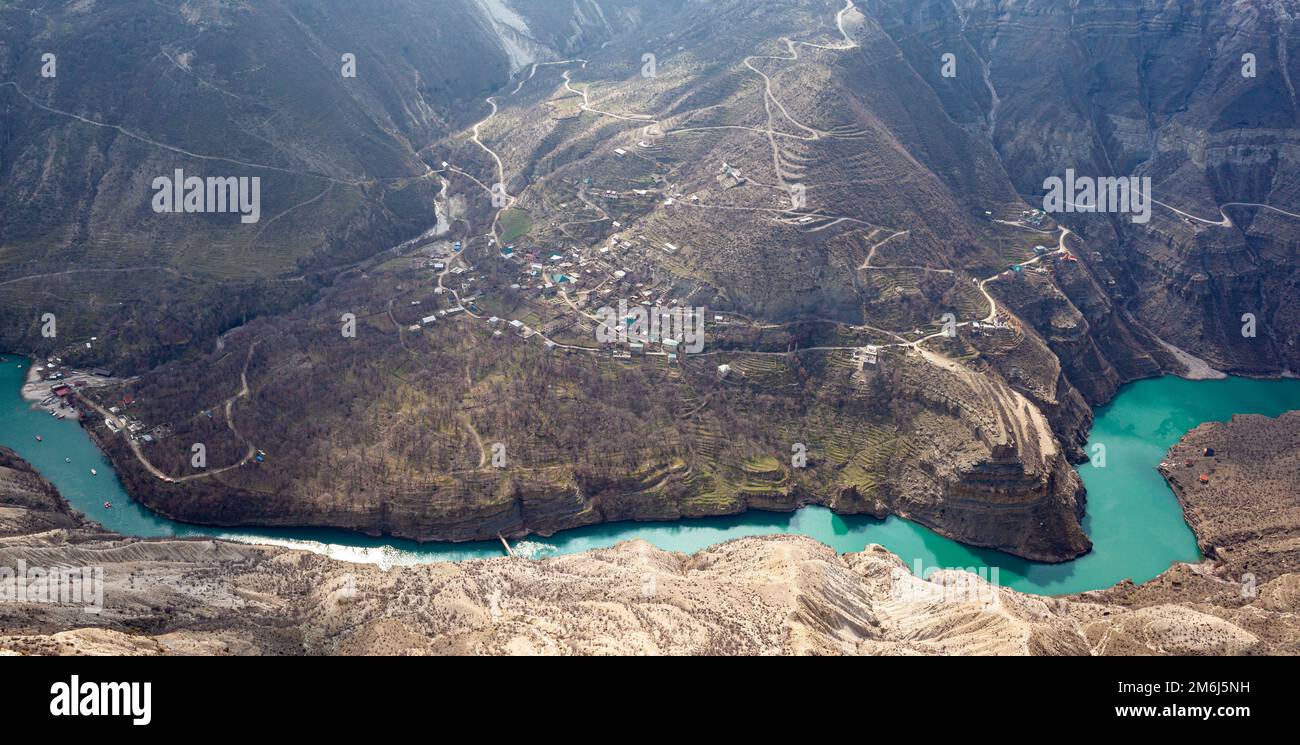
column 509, row 551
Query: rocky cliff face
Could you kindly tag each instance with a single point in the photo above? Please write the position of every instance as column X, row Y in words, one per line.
column 1245, row 514
column 1199, row 96
column 529, row 31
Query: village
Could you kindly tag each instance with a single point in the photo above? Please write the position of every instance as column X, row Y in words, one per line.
column 53, row 384
column 527, row 289
column 65, row 392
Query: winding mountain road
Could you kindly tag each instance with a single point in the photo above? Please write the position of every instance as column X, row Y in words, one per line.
column 229, row 405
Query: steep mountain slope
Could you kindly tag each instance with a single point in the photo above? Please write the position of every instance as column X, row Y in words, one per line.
column 1198, row 96
column 1245, row 514
column 955, row 447
column 851, row 222
column 219, row 90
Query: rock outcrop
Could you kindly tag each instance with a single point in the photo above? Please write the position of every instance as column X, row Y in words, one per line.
column 754, row 596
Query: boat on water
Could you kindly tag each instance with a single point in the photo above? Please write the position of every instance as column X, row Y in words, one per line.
column 93, row 472
column 108, row 505
column 67, row 460
column 40, row 439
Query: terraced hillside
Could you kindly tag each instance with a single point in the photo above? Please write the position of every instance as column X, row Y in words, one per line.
column 414, row 341
column 1150, row 89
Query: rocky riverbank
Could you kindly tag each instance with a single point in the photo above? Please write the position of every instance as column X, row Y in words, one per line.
column 28, row 503
column 1237, row 482
column 772, row 595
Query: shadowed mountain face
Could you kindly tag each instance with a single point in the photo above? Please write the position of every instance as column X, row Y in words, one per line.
column 820, row 175
column 1200, row 97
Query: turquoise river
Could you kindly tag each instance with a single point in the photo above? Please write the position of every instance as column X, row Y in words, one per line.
column 1135, row 522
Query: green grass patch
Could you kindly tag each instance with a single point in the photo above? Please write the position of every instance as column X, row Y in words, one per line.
column 515, row 224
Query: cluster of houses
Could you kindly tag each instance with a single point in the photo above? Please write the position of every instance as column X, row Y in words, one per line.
column 132, row 425
column 868, row 355
column 52, row 369
column 67, row 382
column 1034, row 218
column 64, row 382
column 611, row 271
column 555, row 280
column 999, row 323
